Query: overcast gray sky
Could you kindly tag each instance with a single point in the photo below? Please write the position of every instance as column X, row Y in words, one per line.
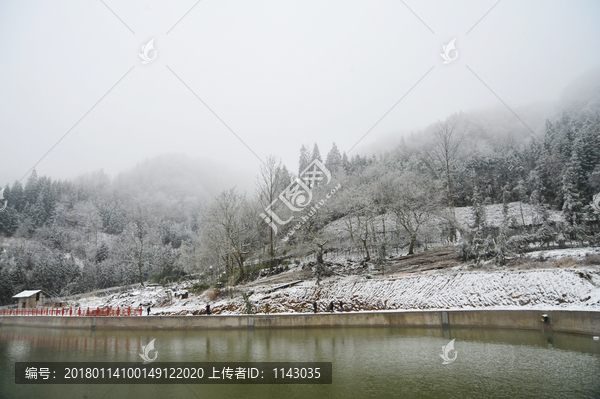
column 277, row 73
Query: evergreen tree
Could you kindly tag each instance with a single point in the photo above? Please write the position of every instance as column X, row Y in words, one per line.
column 316, row 154
column 345, row 162
column 9, row 221
column 521, row 192
column 334, row 159
column 16, row 197
column 575, row 165
column 381, row 262
column 6, row 288
column 17, row 277
column 505, row 201
column 285, row 178
column 502, row 241
column 6, row 195
column 305, row 159
column 573, row 209
column 102, row 253
column 113, row 215
column 43, row 208
column 31, row 188
column 479, row 213
column 572, row 206
column 502, row 248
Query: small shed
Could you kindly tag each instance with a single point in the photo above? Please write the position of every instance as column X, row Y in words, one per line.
column 31, row 298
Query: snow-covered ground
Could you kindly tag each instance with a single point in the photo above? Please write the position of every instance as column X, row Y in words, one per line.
column 564, row 288
column 494, row 214
column 522, row 213
column 461, row 287
column 575, row 253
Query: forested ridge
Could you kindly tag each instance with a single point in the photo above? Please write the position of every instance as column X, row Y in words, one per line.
column 95, row 231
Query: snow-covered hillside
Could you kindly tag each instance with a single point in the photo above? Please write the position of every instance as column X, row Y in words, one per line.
column 572, row 288
column 522, row 213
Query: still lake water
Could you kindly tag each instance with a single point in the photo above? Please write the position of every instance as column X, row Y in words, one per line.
column 367, row 362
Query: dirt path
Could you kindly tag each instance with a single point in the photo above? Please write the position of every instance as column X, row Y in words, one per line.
column 437, row 258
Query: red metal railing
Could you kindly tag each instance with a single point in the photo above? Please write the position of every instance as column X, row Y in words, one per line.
column 105, row 311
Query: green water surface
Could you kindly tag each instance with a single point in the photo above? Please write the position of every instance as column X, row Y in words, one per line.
column 367, row 362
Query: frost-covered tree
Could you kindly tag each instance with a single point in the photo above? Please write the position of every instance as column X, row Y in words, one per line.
column 316, row 154
column 6, row 288
column 572, row 205
column 269, row 184
column 345, row 162
column 229, row 220
column 31, row 188
column 479, row 212
column 416, row 201
column 139, row 236
column 521, row 192
column 443, row 158
column 285, row 177
column 113, row 213
column 102, row 253
column 88, row 218
column 358, row 223
column 333, row 162
column 305, row 158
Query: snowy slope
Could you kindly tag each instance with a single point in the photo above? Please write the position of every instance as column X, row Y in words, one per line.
column 494, row 214
column 575, row 288
column 521, row 212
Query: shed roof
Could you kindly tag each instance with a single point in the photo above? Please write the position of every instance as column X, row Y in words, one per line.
column 27, row 293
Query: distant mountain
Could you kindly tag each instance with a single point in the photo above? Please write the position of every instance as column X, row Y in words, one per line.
column 484, row 127
column 583, row 94
column 179, row 177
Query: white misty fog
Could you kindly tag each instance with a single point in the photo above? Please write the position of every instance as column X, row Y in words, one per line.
column 278, row 74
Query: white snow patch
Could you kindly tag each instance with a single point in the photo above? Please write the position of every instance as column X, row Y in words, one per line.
column 527, row 289
column 563, row 253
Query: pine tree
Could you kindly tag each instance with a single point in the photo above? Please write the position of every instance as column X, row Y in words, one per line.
column 572, row 205
column 17, row 277
column 501, row 247
column 576, row 164
column 345, row 162
column 16, row 196
column 31, row 188
column 334, row 159
column 316, row 154
column 44, row 205
column 382, row 254
column 6, row 195
column 102, row 253
column 502, row 241
column 9, row 221
column 285, row 177
column 6, row 288
column 505, row 201
column 479, row 213
column 305, row 159
column 521, row 192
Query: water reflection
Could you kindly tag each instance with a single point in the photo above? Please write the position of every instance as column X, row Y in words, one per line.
column 371, row 362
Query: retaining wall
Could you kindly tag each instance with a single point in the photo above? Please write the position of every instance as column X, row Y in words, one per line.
column 569, row 321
